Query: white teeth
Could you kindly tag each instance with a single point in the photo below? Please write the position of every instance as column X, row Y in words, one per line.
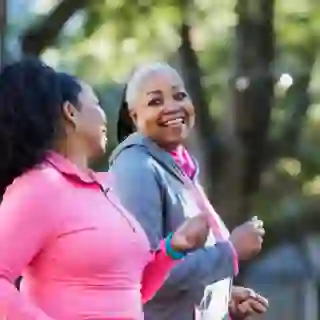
column 173, row 122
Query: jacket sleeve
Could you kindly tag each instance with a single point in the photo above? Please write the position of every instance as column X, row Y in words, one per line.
column 140, row 190
column 156, row 272
column 24, row 227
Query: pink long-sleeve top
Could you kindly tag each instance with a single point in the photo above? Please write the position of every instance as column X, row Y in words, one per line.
column 82, row 255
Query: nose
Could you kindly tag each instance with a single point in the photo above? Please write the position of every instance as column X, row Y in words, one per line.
column 103, row 115
column 172, row 107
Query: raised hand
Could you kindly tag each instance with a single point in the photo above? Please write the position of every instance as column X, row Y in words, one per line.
column 247, row 238
column 191, row 235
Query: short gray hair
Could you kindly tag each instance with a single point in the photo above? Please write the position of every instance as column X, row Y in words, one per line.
column 140, row 74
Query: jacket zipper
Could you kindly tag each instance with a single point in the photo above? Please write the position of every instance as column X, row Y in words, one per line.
column 105, row 192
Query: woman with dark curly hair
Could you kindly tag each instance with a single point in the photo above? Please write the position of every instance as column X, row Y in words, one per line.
column 82, row 255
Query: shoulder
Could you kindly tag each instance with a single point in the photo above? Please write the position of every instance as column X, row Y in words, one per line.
column 39, row 182
column 33, row 197
column 135, row 167
column 133, row 158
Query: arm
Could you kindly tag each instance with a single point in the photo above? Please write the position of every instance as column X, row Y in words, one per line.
column 24, row 228
column 199, row 268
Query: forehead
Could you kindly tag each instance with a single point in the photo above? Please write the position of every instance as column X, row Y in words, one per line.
column 161, row 80
column 87, row 94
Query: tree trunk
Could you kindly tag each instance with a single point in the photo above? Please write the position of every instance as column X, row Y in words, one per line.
column 3, row 31
column 205, row 126
column 205, row 141
column 298, row 98
column 42, row 35
column 249, row 115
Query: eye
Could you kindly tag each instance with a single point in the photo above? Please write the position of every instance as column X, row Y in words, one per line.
column 155, row 102
column 179, row 96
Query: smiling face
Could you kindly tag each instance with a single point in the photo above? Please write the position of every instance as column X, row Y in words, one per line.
column 88, row 123
column 93, row 121
column 162, row 109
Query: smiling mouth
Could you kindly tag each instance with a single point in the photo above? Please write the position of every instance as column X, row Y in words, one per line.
column 174, row 122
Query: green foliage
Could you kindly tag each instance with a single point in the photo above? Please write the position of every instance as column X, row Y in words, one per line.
column 115, row 36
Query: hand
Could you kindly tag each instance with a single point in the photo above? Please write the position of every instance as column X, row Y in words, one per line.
column 247, row 239
column 245, row 302
column 191, row 235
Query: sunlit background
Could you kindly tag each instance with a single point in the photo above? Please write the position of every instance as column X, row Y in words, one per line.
column 252, row 68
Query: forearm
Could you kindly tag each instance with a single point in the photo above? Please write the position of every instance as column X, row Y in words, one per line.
column 199, row 269
column 14, row 306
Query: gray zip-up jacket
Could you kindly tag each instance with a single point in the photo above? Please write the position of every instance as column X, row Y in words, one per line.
column 150, row 185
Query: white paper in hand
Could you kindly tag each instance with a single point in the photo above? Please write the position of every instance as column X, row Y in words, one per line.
column 215, row 302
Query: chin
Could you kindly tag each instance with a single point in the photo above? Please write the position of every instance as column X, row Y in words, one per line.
column 98, row 152
column 101, row 151
column 172, row 142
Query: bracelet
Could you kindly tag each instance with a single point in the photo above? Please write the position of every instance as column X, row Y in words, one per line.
column 175, row 255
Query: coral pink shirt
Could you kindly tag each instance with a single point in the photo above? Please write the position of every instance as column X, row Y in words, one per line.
column 82, row 255
column 182, row 158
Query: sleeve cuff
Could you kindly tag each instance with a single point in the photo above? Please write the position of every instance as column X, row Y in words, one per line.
column 164, row 256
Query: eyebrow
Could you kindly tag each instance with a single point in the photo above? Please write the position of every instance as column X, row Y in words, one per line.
column 154, row 91
column 160, row 91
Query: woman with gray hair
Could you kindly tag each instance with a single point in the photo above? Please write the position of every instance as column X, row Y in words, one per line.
column 157, row 180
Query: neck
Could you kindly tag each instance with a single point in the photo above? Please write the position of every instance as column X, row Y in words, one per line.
column 169, row 147
column 76, row 157
column 80, row 161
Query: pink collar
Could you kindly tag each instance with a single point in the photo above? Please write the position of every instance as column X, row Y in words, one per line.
column 66, row 167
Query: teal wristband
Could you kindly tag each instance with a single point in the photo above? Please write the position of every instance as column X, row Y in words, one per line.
column 175, row 255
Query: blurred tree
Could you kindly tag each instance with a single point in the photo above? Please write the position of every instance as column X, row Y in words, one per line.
column 250, row 110
column 256, row 159
column 45, row 32
column 206, row 138
column 249, row 117
column 3, row 31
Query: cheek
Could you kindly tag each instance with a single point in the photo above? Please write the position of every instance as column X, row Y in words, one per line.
column 90, row 126
column 189, row 108
column 147, row 121
column 191, row 113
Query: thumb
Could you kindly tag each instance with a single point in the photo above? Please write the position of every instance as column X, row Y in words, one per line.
column 249, row 293
column 240, row 294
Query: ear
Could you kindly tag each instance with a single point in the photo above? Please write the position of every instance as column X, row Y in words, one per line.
column 133, row 116
column 70, row 113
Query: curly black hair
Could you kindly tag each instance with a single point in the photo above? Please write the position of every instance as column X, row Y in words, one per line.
column 31, row 99
column 125, row 125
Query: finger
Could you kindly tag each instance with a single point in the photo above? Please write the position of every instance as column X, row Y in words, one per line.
column 261, row 232
column 256, row 306
column 240, row 294
column 262, row 300
column 258, row 224
column 245, row 308
column 251, row 293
